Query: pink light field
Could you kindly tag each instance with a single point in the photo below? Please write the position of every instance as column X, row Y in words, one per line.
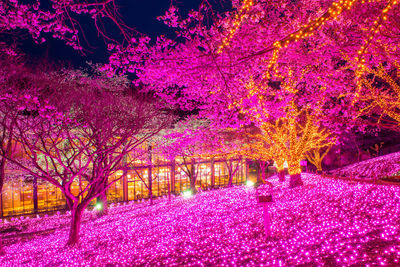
column 326, row 222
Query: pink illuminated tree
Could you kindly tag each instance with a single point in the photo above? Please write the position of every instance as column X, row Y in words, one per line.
column 196, row 73
column 241, row 60
column 81, row 137
column 146, row 156
column 226, row 145
column 59, row 19
column 219, row 71
column 187, row 144
column 16, row 83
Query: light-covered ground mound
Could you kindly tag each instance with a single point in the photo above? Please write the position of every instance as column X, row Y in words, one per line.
column 378, row 167
column 324, row 222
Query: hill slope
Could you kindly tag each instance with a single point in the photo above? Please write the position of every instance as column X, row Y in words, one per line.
column 378, row 167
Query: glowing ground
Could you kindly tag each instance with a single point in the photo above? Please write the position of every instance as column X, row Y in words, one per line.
column 326, row 222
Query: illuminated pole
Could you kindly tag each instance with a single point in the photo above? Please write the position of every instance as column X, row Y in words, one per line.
column 125, row 179
column 247, row 169
column 35, row 195
column 169, row 190
column 212, row 174
column 125, row 185
column 150, row 177
column 173, row 176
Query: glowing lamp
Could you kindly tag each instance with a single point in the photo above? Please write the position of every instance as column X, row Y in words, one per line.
column 98, row 206
column 187, row 194
column 250, row 183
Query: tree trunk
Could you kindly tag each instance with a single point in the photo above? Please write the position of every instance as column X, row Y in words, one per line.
column 281, row 175
column 230, row 181
column 319, row 165
column 150, row 185
column 281, row 170
column 193, row 185
column 76, row 213
column 232, row 171
column 101, row 200
column 151, row 195
column 229, row 166
column 193, row 177
column 295, row 173
column 262, row 169
column 295, row 180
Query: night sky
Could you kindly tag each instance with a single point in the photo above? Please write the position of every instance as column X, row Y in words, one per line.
column 138, row 14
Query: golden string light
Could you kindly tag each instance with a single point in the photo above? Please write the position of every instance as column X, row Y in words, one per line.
column 307, row 30
column 239, row 17
column 388, row 101
column 360, row 60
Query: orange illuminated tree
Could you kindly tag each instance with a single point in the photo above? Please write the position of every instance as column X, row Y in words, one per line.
column 292, row 125
column 259, row 147
column 315, row 156
column 380, row 94
column 293, row 136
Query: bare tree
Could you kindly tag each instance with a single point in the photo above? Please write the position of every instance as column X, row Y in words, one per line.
column 187, row 144
column 151, row 177
column 228, row 145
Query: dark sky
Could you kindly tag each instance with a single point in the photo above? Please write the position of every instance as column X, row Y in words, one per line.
column 139, row 14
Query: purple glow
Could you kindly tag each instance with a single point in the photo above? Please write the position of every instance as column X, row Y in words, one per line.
column 325, row 222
